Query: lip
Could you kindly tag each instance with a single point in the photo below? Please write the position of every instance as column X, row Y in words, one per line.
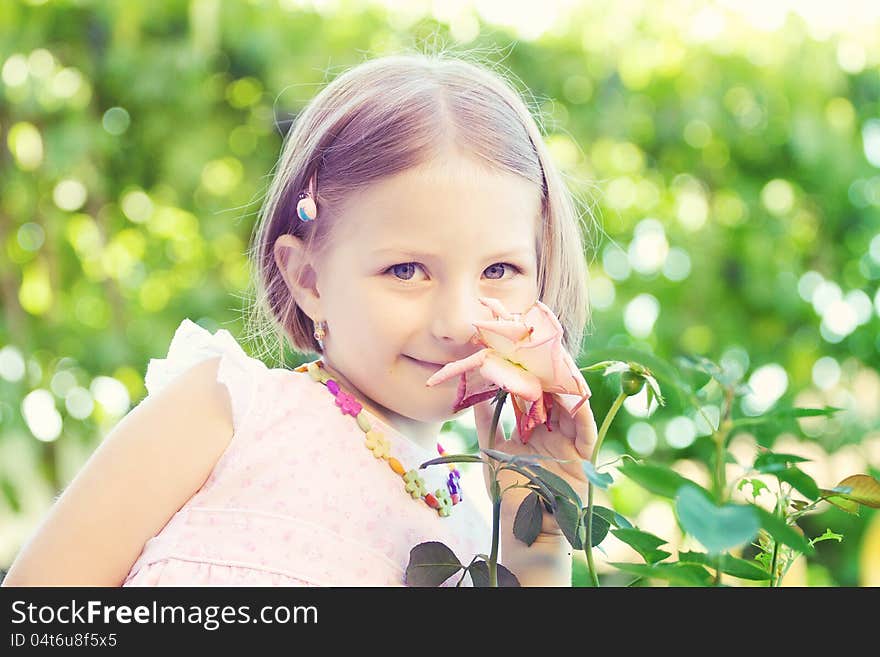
column 426, row 364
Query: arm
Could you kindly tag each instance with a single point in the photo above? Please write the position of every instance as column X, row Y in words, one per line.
column 146, row 468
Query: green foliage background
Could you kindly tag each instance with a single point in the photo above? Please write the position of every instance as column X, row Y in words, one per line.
column 137, row 139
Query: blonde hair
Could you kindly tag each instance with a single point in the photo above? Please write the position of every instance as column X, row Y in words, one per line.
column 380, row 118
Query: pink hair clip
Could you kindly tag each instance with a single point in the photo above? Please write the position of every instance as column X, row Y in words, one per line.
column 306, row 209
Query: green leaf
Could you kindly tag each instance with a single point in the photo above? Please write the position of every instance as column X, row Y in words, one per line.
column 718, row 528
column 453, row 458
column 479, row 571
column 827, row 536
column 686, row 574
column 757, row 486
column 601, row 479
column 779, row 530
column 556, row 483
column 770, row 463
column 644, row 543
column 568, row 517
column 665, row 373
column 841, row 502
column 529, row 516
column 801, row 481
column 785, row 415
column 865, row 490
column 612, row 516
column 545, row 492
column 600, row 528
column 729, row 564
column 659, row 480
column 431, row 564
column 504, row 457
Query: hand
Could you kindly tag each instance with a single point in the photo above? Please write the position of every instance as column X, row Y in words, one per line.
column 569, row 438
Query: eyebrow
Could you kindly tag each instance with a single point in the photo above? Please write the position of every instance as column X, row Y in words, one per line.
column 515, row 252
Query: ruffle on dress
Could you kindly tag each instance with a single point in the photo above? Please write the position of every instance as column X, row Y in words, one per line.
column 193, row 344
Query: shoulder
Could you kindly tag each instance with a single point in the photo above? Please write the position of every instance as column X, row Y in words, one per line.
column 212, row 395
column 227, row 378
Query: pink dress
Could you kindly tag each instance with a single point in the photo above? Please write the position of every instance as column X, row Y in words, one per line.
column 296, row 499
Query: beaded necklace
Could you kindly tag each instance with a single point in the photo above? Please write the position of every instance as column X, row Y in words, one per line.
column 442, row 500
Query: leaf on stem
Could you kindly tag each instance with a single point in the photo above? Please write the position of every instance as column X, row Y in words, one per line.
column 600, row 527
column 431, row 564
column 782, row 532
column 529, row 516
column 453, row 458
column 771, row 463
column 612, row 516
column 864, row 489
column 601, row 479
column 479, row 571
column 556, row 483
column 543, row 489
column 719, row 528
column 684, row 574
column 568, row 517
column 729, row 564
column 801, row 481
column 659, row 480
column 644, row 543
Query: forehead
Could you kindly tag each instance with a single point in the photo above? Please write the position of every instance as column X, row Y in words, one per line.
column 453, row 206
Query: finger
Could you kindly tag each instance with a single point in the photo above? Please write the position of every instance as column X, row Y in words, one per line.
column 587, row 433
column 565, row 422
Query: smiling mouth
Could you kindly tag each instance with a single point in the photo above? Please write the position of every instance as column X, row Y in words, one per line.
column 424, row 363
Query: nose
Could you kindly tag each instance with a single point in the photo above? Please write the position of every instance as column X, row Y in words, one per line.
column 454, row 316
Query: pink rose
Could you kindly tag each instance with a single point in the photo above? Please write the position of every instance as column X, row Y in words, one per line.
column 522, row 354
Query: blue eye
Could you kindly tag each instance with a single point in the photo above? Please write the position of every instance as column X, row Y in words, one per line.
column 394, row 268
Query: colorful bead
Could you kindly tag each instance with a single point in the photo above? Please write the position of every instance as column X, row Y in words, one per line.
column 378, row 444
column 444, row 501
column 415, row 485
column 363, row 421
column 441, row 500
column 348, row 404
column 314, row 371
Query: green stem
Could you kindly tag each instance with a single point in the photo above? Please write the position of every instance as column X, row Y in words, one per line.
column 773, row 562
column 775, row 548
column 588, row 547
column 496, row 416
column 496, row 524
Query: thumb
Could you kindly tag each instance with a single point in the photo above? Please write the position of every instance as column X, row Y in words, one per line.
column 483, row 412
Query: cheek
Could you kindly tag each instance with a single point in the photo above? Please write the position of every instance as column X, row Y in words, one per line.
column 518, row 297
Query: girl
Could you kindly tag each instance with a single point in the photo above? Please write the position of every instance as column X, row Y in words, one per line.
column 410, row 187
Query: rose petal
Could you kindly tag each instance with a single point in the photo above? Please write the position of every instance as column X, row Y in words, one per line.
column 511, row 377
column 497, row 308
column 472, row 389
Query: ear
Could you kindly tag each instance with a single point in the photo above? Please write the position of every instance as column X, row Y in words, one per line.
column 298, row 273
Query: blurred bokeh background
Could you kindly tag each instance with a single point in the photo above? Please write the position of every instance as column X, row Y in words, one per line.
column 729, row 151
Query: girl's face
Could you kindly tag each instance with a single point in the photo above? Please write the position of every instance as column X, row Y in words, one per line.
column 399, row 288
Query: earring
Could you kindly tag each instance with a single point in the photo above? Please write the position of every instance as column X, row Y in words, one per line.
column 306, row 209
column 320, row 333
